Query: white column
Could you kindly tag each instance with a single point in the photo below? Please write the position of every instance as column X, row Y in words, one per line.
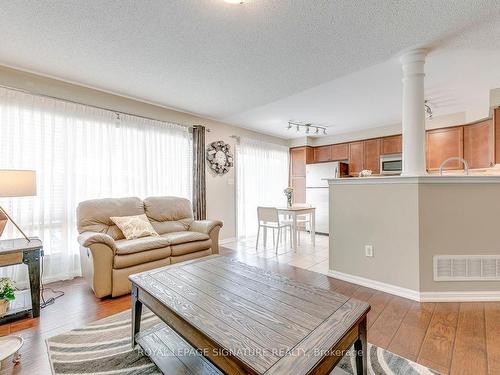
column 413, row 112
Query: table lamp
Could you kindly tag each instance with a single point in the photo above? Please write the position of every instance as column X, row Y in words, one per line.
column 15, row 183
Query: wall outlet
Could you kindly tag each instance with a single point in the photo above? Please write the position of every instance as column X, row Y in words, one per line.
column 369, row 250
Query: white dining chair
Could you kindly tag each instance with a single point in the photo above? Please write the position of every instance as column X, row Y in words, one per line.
column 268, row 217
column 303, row 221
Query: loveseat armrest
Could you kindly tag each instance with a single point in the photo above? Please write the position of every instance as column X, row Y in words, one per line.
column 86, row 239
column 210, row 227
column 204, row 226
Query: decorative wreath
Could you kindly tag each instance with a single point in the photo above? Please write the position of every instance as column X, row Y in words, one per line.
column 219, row 157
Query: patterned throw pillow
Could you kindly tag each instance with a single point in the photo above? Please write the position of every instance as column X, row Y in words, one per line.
column 134, row 226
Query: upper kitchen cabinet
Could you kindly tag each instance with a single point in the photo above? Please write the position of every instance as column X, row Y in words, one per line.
column 309, row 155
column 479, row 144
column 298, row 161
column 322, row 153
column 443, row 144
column 392, row 145
column 371, row 155
column 339, row 151
column 356, row 158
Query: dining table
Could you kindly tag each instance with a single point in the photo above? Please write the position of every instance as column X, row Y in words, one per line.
column 294, row 212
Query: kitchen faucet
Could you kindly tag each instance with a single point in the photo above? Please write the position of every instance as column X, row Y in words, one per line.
column 466, row 165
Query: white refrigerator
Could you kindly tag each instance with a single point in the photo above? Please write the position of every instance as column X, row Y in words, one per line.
column 317, row 191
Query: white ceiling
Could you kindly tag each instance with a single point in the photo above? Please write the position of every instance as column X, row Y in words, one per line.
column 262, row 63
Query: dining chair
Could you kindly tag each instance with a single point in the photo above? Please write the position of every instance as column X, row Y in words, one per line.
column 268, row 217
column 303, row 221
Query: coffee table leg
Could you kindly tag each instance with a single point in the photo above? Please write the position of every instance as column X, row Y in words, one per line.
column 361, row 350
column 136, row 313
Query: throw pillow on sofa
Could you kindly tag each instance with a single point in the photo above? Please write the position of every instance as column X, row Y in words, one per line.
column 134, row 226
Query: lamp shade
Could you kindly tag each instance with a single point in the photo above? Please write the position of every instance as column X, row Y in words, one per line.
column 17, row 183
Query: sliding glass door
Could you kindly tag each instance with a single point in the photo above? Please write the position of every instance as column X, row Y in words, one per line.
column 261, row 176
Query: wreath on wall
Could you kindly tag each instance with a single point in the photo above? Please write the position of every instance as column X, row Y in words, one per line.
column 219, row 157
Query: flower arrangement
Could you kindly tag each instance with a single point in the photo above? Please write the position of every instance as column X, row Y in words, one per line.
column 288, row 193
column 6, row 294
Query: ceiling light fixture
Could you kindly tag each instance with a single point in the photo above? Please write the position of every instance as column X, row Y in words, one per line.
column 234, row 1
column 307, row 126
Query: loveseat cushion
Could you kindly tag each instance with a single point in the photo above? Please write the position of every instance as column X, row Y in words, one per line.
column 140, row 244
column 168, row 214
column 94, row 215
column 190, row 247
column 176, row 238
column 129, row 260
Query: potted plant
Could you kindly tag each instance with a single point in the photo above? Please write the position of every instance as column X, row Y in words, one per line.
column 6, row 294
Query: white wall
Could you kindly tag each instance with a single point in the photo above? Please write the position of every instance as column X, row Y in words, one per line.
column 220, row 189
column 384, row 216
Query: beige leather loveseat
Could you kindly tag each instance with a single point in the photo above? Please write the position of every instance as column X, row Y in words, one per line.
column 108, row 258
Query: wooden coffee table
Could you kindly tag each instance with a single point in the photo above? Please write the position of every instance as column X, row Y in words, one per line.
column 239, row 319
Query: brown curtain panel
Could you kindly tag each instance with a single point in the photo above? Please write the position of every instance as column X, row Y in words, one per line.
column 199, row 186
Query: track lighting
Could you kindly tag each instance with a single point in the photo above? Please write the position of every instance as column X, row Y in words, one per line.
column 307, row 126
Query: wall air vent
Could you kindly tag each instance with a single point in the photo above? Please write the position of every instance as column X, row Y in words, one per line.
column 466, row 267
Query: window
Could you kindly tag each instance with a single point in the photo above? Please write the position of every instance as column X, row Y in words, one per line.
column 80, row 152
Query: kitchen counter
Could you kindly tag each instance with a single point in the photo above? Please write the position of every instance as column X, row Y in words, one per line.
column 429, row 179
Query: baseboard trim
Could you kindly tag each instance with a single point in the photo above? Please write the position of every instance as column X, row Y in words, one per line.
column 227, row 240
column 475, row 296
column 378, row 285
column 485, row 296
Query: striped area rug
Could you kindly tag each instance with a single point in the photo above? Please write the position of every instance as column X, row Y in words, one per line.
column 103, row 348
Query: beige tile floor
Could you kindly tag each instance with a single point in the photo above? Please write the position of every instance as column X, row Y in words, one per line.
column 313, row 258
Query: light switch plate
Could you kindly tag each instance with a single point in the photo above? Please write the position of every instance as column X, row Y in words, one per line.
column 230, row 181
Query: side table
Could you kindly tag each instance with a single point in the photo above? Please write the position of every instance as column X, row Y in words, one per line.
column 21, row 251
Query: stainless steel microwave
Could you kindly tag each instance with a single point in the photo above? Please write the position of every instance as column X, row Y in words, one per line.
column 391, row 164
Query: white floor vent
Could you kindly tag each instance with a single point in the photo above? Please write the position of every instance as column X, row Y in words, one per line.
column 466, row 267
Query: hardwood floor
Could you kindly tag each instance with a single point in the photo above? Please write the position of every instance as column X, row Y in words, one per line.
column 452, row 338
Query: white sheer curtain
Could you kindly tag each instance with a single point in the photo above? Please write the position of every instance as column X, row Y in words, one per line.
column 261, row 176
column 79, row 153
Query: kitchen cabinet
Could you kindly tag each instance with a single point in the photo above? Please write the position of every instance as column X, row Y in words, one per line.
column 322, row 153
column 298, row 161
column 299, row 189
column 371, row 155
column 309, row 155
column 479, row 144
column 442, row 144
column 392, row 145
column 356, row 157
column 339, row 151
